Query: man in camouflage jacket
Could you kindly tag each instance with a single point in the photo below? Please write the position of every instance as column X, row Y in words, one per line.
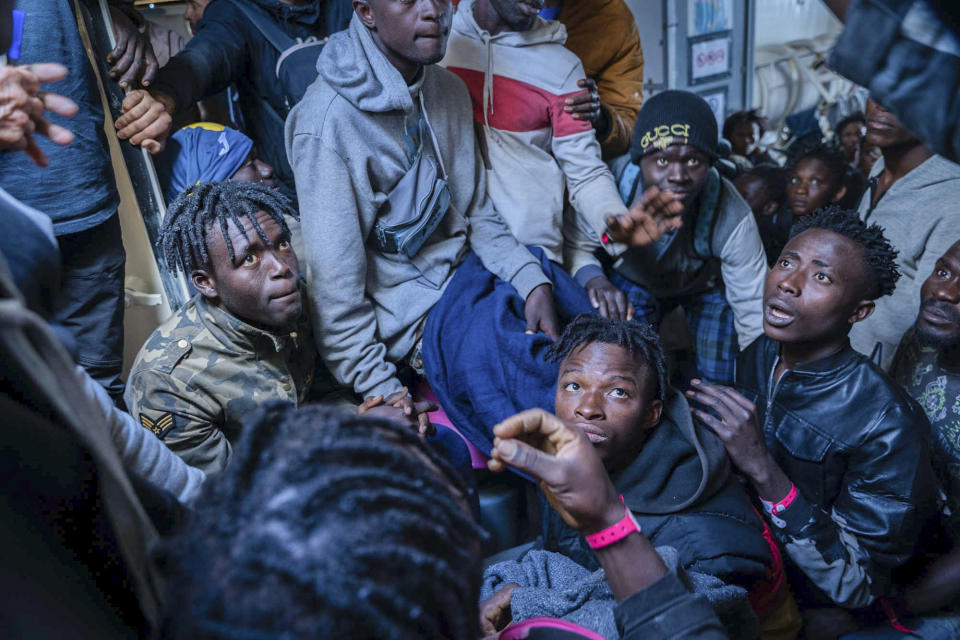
column 242, row 340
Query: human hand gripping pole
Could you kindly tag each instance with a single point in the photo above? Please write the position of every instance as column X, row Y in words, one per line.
column 571, row 475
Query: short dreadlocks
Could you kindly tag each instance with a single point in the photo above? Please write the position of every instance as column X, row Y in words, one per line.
column 639, row 338
column 878, row 254
column 183, row 236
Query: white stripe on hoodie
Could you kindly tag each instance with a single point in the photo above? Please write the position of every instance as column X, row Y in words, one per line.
column 518, row 82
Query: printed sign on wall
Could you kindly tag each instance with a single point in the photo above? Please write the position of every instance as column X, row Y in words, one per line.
column 709, row 58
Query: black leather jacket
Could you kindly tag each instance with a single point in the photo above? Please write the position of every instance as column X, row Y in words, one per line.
column 855, row 445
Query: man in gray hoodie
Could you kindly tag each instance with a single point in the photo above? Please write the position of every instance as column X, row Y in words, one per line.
column 913, row 195
column 377, row 102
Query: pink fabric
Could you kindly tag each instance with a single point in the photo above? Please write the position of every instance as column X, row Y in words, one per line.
column 520, row 106
column 521, row 630
column 477, row 458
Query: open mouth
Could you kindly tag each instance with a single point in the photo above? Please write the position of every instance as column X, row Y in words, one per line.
column 777, row 316
column 879, row 125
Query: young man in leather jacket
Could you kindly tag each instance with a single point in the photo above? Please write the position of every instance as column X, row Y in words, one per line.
column 835, row 450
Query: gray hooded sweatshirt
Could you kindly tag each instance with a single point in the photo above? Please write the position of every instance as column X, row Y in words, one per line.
column 348, row 142
column 920, row 217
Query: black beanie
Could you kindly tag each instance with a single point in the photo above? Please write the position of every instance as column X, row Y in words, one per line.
column 674, row 117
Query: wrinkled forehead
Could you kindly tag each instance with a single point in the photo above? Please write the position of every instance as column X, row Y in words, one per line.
column 824, row 247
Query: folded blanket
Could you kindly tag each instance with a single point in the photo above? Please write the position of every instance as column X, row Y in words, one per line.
column 554, row 586
column 476, row 356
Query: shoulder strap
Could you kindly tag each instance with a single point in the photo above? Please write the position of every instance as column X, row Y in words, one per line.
column 258, row 18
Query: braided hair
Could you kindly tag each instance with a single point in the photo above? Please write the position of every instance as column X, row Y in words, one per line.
column 879, row 256
column 183, row 236
column 327, row 524
column 639, row 338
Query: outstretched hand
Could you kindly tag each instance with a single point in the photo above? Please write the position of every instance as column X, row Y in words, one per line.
column 735, row 423
column 23, row 106
column 656, row 213
column 563, row 462
column 540, row 313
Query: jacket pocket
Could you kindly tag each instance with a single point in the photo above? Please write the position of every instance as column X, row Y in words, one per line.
column 805, row 457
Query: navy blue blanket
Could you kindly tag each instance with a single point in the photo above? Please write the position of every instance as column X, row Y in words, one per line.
column 476, row 356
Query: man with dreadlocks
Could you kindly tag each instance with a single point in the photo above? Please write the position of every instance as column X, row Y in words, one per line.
column 242, row 340
column 673, row 474
column 833, row 448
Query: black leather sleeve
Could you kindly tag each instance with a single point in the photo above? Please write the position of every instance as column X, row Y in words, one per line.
column 849, row 549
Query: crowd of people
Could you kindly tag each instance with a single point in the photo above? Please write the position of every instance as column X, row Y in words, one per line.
column 428, row 242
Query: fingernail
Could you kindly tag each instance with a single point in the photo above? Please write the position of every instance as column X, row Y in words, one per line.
column 695, row 381
column 507, row 449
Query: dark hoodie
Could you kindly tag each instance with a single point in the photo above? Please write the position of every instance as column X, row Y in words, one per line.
column 681, row 490
column 228, row 49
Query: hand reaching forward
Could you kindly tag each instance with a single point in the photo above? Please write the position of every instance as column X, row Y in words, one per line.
column 563, row 462
column 657, row 212
column 22, row 108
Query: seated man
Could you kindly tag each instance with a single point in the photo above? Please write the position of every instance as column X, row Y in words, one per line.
column 265, row 556
column 673, row 474
column 927, row 364
column 714, row 265
column 209, row 152
column 241, row 340
column 380, row 113
column 833, row 448
column 535, row 151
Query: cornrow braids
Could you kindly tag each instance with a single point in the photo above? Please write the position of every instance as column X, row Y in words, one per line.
column 183, row 236
column 878, row 254
column 639, row 338
column 326, row 524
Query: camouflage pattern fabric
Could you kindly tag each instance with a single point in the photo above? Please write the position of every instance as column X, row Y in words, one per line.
column 203, row 370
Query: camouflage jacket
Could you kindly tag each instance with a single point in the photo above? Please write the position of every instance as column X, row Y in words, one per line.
column 203, row 370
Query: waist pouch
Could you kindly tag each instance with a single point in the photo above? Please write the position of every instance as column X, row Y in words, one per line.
column 413, row 210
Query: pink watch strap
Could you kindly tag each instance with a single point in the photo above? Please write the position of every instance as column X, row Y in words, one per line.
column 615, row 532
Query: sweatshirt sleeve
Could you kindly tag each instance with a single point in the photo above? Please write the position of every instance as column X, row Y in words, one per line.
column 743, row 267
column 667, row 611
column 142, row 453
column 345, row 325
column 593, row 192
column 579, row 245
column 493, row 242
column 211, row 61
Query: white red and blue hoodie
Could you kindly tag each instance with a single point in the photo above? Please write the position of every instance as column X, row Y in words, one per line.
column 518, row 82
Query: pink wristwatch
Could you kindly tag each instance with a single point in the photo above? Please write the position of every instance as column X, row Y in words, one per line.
column 614, row 533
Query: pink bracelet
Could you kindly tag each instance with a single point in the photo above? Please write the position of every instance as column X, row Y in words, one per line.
column 773, row 508
column 615, row 532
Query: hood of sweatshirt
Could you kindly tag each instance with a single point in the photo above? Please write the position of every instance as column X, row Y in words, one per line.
column 680, row 465
column 355, row 68
column 542, row 32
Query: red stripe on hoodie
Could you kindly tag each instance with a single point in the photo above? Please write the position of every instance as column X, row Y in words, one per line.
column 520, row 106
